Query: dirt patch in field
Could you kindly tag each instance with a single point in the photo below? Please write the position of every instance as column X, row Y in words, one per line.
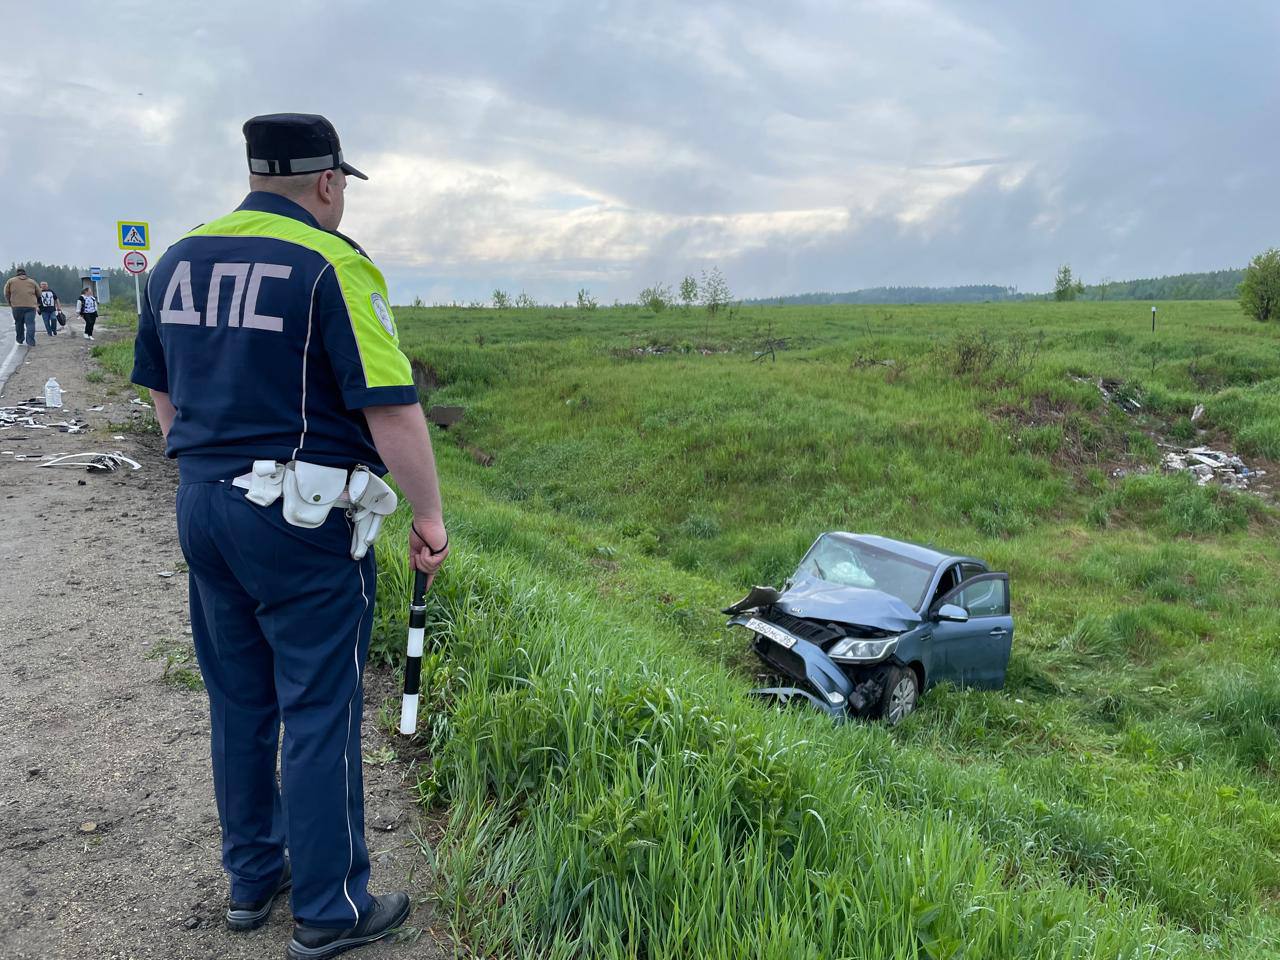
column 1067, row 436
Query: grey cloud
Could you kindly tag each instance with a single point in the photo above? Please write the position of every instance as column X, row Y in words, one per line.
column 970, row 141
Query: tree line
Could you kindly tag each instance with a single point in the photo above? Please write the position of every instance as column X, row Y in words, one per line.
column 1211, row 285
column 64, row 280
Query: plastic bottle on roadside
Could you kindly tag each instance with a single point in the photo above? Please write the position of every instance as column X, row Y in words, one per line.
column 52, row 393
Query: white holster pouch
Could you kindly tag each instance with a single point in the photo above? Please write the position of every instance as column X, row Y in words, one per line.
column 264, row 482
column 310, row 491
column 371, row 500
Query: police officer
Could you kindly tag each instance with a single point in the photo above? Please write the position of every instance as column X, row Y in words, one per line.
column 272, row 356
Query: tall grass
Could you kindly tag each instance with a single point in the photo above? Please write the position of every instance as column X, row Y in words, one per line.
column 610, row 796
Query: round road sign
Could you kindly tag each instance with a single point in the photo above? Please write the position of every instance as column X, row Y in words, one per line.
column 135, row 262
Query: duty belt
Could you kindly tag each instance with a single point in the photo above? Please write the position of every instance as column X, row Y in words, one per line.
column 311, row 490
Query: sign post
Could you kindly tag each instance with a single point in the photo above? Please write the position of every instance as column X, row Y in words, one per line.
column 134, row 236
column 135, row 263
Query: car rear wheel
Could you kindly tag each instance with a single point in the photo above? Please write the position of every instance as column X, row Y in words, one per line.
column 901, row 693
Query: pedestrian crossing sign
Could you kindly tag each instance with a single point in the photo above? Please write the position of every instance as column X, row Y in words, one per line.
column 133, row 234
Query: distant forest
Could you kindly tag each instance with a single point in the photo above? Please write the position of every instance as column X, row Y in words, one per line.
column 1216, row 285
column 65, row 280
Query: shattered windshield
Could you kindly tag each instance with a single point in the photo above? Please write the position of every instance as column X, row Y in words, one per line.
column 848, row 563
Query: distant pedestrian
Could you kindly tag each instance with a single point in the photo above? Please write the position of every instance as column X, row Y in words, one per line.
column 87, row 307
column 22, row 295
column 49, row 306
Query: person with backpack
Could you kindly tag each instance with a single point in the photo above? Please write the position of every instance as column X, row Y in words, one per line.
column 87, row 307
column 49, row 306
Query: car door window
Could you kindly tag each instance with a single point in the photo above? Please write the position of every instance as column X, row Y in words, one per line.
column 949, row 580
column 984, row 597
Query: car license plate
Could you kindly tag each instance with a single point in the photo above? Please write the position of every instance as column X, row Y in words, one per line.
column 776, row 634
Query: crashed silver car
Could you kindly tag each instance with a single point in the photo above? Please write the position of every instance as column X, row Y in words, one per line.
column 866, row 624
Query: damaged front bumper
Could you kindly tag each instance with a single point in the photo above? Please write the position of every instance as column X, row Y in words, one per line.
column 822, row 681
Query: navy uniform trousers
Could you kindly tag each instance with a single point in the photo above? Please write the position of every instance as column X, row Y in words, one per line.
column 281, row 617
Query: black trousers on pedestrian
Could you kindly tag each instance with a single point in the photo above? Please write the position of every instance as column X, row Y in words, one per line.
column 89, row 320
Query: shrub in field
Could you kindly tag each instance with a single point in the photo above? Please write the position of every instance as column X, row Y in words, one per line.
column 655, row 298
column 1065, row 287
column 585, row 300
column 1260, row 289
column 713, row 291
column 688, row 291
column 501, row 300
column 977, row 355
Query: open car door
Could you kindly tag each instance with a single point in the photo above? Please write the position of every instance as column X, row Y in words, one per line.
column 975, row 653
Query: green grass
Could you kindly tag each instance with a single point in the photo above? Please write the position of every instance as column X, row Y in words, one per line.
column 612, row 793
column 180, row 668
column 588, row 708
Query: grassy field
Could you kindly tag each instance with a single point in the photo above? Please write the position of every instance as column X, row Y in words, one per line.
column 620, row 475
column 612, row 793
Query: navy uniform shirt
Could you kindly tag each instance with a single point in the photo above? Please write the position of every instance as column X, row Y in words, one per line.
column 270, row 335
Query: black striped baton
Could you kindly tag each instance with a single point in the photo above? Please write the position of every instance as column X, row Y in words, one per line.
column 413, row 654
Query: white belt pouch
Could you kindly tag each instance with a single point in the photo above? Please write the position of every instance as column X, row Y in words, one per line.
column 310, row 491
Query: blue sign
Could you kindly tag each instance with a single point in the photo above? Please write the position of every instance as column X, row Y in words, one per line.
column 133, row 234
column 95, row 274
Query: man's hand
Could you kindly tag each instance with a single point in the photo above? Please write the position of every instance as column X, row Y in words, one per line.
column 400, row 435
column 428, row 546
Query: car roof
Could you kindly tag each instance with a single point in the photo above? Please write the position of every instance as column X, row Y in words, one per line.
column 912, row 551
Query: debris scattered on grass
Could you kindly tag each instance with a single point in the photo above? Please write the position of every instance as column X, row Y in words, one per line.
column 482, row 457
column 165, row 573
column 135, row 401
column 862, row 360
column 1197, row 413
column 1114, row 391
column 1208, row 466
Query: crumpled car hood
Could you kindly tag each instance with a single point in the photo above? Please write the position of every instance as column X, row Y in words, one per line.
column 816, row 599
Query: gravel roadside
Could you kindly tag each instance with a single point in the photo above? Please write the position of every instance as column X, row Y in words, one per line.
column 108, row 833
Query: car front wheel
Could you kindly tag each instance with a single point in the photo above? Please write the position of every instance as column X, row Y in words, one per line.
column 901, row 693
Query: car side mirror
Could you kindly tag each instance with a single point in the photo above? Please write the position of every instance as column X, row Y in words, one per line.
column 951, row 613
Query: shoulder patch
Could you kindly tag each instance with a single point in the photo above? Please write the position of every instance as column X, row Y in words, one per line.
column 383, row 313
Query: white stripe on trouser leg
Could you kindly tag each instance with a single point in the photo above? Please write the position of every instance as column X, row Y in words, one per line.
column 346, row 750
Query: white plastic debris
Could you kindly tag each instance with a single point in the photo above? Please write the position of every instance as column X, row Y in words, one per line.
column 94, row 462
column 1211, row 466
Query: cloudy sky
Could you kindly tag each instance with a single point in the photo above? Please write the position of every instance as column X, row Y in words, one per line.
column 549, row 145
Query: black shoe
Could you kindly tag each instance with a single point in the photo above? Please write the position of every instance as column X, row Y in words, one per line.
column 318, row 943
column 250, row 916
